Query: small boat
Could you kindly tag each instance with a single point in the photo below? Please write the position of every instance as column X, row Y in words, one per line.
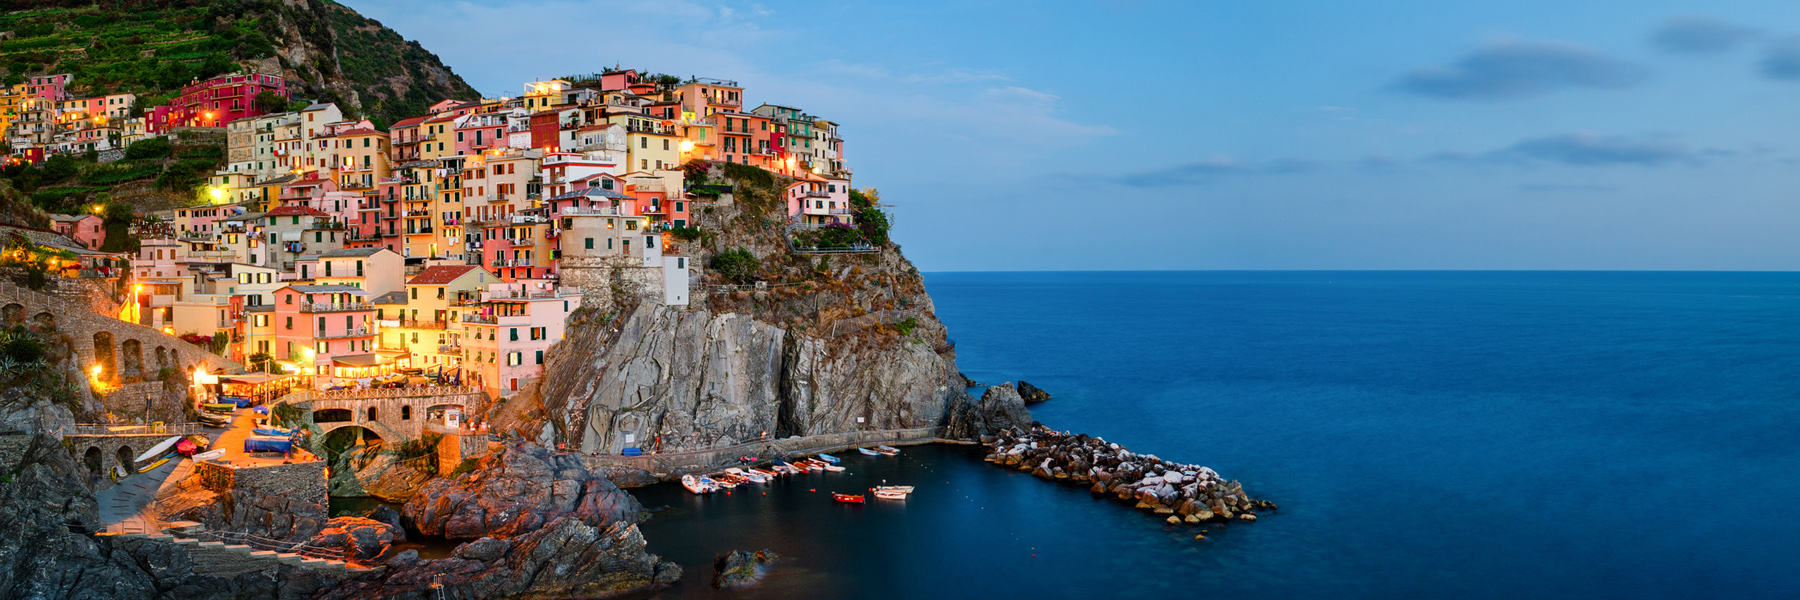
column 119, row 472
column 868, row 452
column 186, row 447
column 904, row 489
column 888, row 450
column 718, row 483
column 828, row 458
column 156, row 464
column 770, row 475
column 694, row 484
column 751, row 476
column 832, row 468
column 158, row 449
column 210, row 454
column 850, row 498
column 890, row 495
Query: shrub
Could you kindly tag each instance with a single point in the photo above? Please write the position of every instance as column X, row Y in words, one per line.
column 685, row 233
column 737, row 265
column 835, row 235
column 157, row 147
column 907, row 325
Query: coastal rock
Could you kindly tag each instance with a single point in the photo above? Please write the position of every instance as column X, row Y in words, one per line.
column 739, row 568
column 566, row 558
column 358, row 537
column 368, row 472
column 1031, row 394
column 1174, row 491
column 518, row 489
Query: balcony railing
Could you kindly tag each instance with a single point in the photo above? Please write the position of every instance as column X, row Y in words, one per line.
column 419, row 231
column 348, row 333
column 450, row 349
column 511, row 262
column 411, row 324
column 318, row 307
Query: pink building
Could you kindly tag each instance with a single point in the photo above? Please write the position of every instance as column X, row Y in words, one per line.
column 48, row 87
column 324, row 328
column 87, row 230
column 512, row 328
column 215, row 102
column 814, row 199
column 478, row 133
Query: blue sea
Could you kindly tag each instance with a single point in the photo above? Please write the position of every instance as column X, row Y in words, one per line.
column 1426, row 435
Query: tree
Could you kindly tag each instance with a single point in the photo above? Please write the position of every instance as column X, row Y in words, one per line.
column 216, row 64
column 737, row 265
column 271, row 102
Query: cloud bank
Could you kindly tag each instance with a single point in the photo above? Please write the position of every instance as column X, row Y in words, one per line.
column 1521, row 69
column 1699, row 35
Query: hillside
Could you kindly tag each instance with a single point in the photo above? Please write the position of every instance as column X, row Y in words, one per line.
column 327, row 51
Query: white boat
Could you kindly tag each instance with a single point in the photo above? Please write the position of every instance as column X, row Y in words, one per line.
column 904, row 489
column 868, row 452
column 890, row 495
column 694, row 484
column 832, row 468
column 718, row 483
column 888, row 450
column 751, row 475
column 210, row 454
column 159, row 449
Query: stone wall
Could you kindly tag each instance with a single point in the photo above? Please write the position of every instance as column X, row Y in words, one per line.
column 299, row 481
column 454, row 449
column 128, row 352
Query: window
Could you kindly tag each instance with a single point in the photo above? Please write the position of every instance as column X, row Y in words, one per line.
column 290, row 323
column 321, row 324
column 406, row 413
column 590, row 243
column 415, row 293
column 372, row 414
column 665, row 144
column 512, row 359
column 514, row 333
column 644, row 142
column 540, row 357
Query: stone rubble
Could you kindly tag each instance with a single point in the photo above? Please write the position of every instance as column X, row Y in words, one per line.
column 1182, row 493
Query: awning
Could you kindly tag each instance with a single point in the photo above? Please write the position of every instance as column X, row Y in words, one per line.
column 360, row 360
column 291, row 236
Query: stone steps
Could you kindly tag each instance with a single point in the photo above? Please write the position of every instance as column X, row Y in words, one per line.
column 229, row 560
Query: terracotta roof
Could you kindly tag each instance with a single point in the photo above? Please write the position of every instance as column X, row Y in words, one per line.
column 359, row 131
column 407, row 123
column 441, row 274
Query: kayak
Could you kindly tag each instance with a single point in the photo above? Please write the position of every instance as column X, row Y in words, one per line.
column 158, row 449
column 868, row 452
column 888, row 450
column 156, row 464
column 210, row 454
column 849, row 498
column 828, row 458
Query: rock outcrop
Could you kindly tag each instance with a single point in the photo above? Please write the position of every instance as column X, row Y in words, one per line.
column 357, row 537
column 677, row 379
column 1000, row 407
column 739, row 568
column 1031, row 394
column 263, row 515
column 369, row 472
column 1174, row 491
column 567, row 558
column 517, row 489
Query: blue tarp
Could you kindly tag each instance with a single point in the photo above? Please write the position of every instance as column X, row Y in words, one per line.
column 268, row 444
column 280, row 433
column 240, row 402
column 632, row 452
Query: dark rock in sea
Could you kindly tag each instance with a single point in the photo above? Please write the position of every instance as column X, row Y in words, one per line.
column 739, row 568
column 1031, row 394
column 969, row 383
column 1165, row 488
column 1000, row 407
column 517, row 489
column 384, row 514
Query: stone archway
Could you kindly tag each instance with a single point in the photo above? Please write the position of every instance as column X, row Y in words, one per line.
column 131, row 354
column 104, row 356
column 95, row 460
column 127, row 459
column 13, row 313
column 44, row 320
column 162, row 358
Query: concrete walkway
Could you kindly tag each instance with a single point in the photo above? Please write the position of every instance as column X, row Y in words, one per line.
column 122, row 507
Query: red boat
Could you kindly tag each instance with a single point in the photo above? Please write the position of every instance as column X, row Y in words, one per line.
column 851, row 498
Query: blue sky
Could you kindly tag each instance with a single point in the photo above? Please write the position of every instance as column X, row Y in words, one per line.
column 1378, row 134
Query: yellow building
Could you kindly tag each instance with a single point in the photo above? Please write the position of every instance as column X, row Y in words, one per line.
column 427, row 321
column 650, row 144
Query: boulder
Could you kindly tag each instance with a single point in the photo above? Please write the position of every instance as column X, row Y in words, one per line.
column 566, row 558
column 739, row 568
column 519, row 488
column 357, row 537
column 486, row 549
column 1031, row 394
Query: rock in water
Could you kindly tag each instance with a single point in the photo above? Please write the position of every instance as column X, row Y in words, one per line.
column 1001, row 407
column 1031, row 394
column 357, row 536
column 739, row 568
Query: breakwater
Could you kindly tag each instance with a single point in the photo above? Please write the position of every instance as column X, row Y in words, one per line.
column 1182, row 492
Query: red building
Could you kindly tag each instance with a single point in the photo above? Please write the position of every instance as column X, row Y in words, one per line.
column 216, row 101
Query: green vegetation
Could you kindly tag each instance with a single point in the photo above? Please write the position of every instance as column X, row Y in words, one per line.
column 150, row 148
column 869, row 217
column 34, row 260
column 737, row 265
column 907, row 325
column 830, row 237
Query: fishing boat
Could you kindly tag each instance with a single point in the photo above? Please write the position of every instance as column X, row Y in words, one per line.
column 694, row 484
column 768, row 474
column 720, row 483
column 751, row 476
column 828, row 458
column 868, row 452
column 850, row 498
column 210, row 454
column 904, row 489
column 890, row 495
column 159, row 462
column 832, row 468
column 888, row 450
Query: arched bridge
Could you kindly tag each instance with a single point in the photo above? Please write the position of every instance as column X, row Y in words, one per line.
column 126, row 352
column 394, row 414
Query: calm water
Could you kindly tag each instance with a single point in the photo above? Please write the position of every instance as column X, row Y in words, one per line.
column 1428, row 435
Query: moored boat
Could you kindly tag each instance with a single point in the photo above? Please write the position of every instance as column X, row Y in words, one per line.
column 850, row 498
column 888, row 450
column 904, row 489
column 714, row 484
column 693, row 484
column 156, row 464
column 890, row 495
column 828, row 458
column 868, row 452
column 158, row 449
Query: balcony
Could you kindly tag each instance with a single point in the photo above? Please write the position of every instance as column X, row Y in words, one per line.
column 497, row 319
column 410, row 324
column 348, row 333
column 511, row 262
column 450, row 349
column 325, row 307
column 815, row 195
column 419, row 231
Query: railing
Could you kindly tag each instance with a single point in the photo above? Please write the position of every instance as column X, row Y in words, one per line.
column 815, row 194
column 411, row 324
column 371, row 394
column 348, row 333
column 419, row 231
column 123, row 429
column 317, row 307
column 272, row 545
column 450, row 349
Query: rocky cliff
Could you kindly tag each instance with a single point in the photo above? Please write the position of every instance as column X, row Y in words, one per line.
column 827, row 343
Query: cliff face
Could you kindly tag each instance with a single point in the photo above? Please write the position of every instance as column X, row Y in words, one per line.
column 829, row 343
